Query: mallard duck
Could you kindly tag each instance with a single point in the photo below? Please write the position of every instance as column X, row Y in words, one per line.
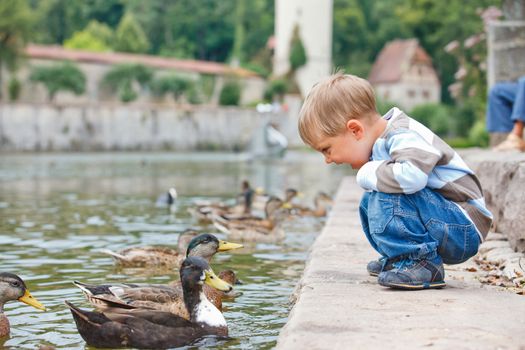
column 167, row 200
column 12, row 288
column 322, row 202
column 205, row 211
column 255, row 228
column 152, row 329
column 153, row 256
column 159, row 297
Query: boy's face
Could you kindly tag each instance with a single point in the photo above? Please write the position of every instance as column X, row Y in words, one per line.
column 348, row 147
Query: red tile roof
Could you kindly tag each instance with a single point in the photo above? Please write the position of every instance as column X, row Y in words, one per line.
column 395, row 57
column 110, row 58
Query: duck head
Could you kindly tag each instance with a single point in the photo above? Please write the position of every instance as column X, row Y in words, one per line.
column 206, row 245
column 13, row 287
column 194, row 272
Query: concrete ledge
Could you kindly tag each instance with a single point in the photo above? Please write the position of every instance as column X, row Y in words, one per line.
column 502, row 176
column 339, row 306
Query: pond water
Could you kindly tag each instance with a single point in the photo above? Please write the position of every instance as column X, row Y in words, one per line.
column 58, row 210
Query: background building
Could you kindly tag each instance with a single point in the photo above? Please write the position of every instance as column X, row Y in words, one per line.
column 403, row 73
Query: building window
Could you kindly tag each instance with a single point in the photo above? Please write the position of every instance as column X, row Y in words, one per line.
column 411, row 93
column 426, row 94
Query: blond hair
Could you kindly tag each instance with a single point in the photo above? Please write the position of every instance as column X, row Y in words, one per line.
column 332, row 103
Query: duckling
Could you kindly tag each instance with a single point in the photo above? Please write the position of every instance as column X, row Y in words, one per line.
column 149, row 256
column 322, row 202
column 13, row 287
column 152, row 329
column 254, row 228
column 153, row 296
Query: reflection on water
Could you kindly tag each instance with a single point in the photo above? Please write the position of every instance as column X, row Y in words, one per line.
column 58, row 211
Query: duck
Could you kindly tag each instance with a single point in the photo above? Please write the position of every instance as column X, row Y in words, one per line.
column 205, row 211
column 157, row 296
column 256, row 229
column 167, row 200
column 322, row 202
column 261, row 198
column 12, row 288
column 154, row 256
column 153, row 329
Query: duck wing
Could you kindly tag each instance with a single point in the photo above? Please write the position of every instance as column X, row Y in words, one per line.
column 132, row 296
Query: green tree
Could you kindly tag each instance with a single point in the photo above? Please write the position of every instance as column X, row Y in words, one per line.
column 129, row 36
column 230, row 94
column 15, row 29
column 297, row 51
column 85, row 41
column 62, row 77
column 172, row 84
column 121, row 78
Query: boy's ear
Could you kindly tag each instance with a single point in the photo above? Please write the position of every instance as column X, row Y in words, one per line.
column 355, row 127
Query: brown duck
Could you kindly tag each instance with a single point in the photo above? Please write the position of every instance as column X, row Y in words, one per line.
column 160, row 297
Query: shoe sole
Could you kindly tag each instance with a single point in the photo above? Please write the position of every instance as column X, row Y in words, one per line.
column 373, row 274
column 404, row 286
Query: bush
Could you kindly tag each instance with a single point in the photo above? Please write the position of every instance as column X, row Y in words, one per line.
column 436, row 117
column 230, row 94
column 478, row 134
column 465, row 116
column 297, row 51
column 384, row 106
column 14, row 89
column 120, row 79
column 64, row 77
column 171, row 84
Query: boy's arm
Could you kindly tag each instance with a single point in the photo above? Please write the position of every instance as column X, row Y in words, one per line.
column 411, row 161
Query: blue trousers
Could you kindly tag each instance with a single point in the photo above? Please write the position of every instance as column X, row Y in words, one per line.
column 506, row 104
column 417, row 226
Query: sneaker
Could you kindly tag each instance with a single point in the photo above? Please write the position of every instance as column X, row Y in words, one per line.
column 375, row 267
column 512, row 143
column 413, row 275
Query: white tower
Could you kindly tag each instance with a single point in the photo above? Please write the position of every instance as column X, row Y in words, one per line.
column 314, row 18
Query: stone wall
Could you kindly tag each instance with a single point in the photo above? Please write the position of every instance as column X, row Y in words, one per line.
column 100, row 127
column 502, row 176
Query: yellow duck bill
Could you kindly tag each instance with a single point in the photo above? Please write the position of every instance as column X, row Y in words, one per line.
column 224, row 246
column 213, row 281
column 28, row 299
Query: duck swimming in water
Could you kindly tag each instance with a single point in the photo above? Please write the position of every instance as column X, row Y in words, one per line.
column 160, row 297
column 255, row 229
column 152, row 329
column 13, row 288
column 153, row 256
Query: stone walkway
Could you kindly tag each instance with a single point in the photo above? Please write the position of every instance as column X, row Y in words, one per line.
column 339, row 306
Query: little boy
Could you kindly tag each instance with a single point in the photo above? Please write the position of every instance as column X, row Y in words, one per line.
column 422, row 207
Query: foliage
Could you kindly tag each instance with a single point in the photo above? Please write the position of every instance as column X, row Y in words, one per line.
column 384, row 106
column 436, row 117
column 297, row 51
column 85, row 41
column 175, row 85
column 121, row 78
column 276, row 88
column 15, row 28
column 14, row 88
column 230, row 94
column 129, row 36
column 101, row 31
column 478, row 134
column 62, row 77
